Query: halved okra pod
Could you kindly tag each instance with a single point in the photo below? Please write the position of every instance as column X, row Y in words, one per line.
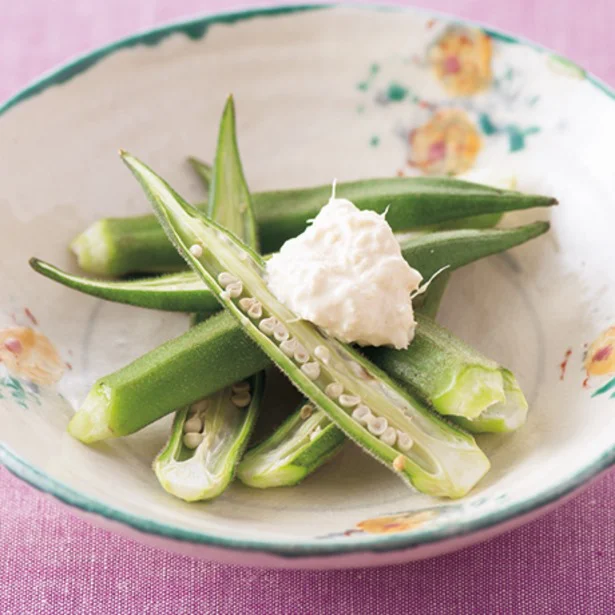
column 429, row 453
column 209, row 437
column 186, row 292
column 305, row 441
column 119, row 246
column 439, row 369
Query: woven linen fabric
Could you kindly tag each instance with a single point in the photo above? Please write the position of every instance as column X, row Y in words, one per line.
column 53, row 563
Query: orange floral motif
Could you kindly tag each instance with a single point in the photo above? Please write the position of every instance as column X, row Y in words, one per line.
column 446, row 145
column 461, row 60
column 398, row 523
column 30, row 354
column 600, row 358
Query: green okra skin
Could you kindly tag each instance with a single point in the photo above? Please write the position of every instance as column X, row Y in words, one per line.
column 410, row 203
column 173, row 292
column 205, row 472
column 116, row 247
column 428, row 452
column 193, row 470
column 203, row 171
column 305, row 441
column 185, row 292
column 210, row 356
column 443, row 371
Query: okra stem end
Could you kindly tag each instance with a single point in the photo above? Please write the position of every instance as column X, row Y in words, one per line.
column 93, row 249
column 91, row 422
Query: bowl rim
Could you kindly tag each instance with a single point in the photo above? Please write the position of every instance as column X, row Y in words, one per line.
column 196, row 28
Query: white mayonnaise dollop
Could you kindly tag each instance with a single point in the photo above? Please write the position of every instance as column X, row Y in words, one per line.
column 345, row 273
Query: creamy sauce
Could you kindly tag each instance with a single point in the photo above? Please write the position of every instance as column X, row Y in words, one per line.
column 346, row 274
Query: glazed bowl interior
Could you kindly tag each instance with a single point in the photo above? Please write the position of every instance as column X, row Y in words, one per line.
column 322, row 93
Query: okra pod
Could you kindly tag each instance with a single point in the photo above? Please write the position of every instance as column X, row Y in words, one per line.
column 185, row 291
column 290, row 454
column 426, row 451
column 203, row 171
column 304, row 442
column 208, row 439
column 502, row 417
column 119, row 246
column 208, row 357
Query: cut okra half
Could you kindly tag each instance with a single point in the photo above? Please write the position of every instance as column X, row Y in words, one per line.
column 185, row 291
column 443, row 370
column 207, row 441
column 304, row 442
column 217, row 428
column 502, row 417
column 429, row 453
column 308, row 439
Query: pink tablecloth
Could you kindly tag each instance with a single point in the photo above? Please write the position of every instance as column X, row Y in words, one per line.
column 53, row 563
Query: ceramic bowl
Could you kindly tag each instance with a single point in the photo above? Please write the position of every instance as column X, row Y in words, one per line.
column 321, row 92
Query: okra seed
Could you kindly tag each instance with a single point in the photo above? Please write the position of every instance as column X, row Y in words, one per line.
column 404, row 441
column 311, row 370
column 322, row 353
column 334, row 390
column 315, row 433
column 226, row 278
column 280, row 333
column 389, row 436
column 192, row 440
column 349, row 401
column 256, row 311
column 301, row 354
column 193, row 425
column 241, row 387
column 241, row 400
column 196, row 250
column 201, row 406
column 362, row 414
column 358, row 370
column 267, row 325
column 377, row 425
column 288, row 347
column 399, row 463
column 306, row 411
column 246, row 303
column 235, row 289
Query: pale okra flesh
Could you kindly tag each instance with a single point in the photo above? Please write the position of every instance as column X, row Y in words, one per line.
column 185, row 291
column 119, row 246
column 304, row 442
column 429, row 453
column 208, row 439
